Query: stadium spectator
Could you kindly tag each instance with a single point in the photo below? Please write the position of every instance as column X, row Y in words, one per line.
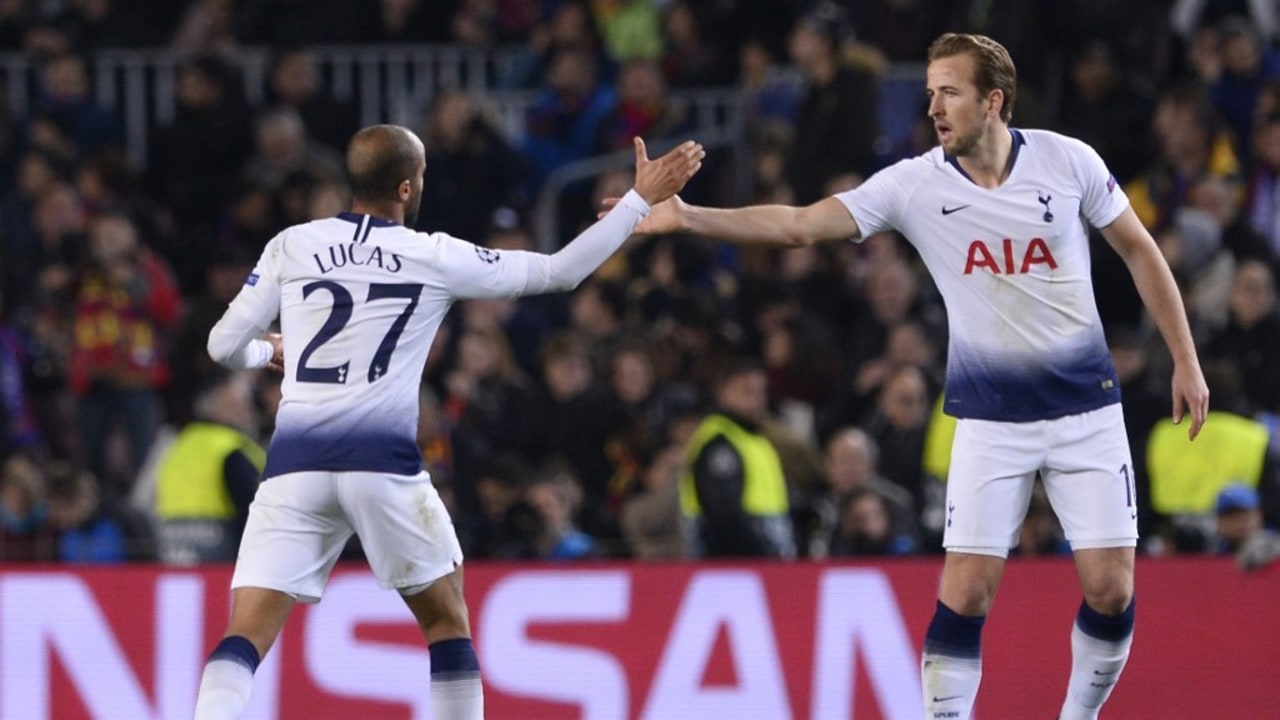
column 568, row 416
column 651, row 519
column 562, row 123
column 126, row 303
column 898, row 425
column 596, row 313
column 850, row 462
column 733, row 491
column 690, row 59
column 1240, row 529
column 556, row 495
column 206, row 28
column 19, row 431
column 632, row 29
column 25, row 532
column 209, row 475
column 193, row 162
column 868, row 526
column 496, row 530
column 836, row 126
column 41, row 180
column 481, row 392
column 1222, row 200
column 472, row 170
column 294, row 81
column 651, row 404
column 1190, row 146
column 1262, row 206
column 1107, row 109
column 1245, row 64
column 282, row 147
column 644, row 107
column 1250, row 341
column 93, row 527
column 191, row 369
column 65, row 96
column 568, row 27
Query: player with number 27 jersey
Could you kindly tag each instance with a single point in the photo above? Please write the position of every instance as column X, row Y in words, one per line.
column 362, row 298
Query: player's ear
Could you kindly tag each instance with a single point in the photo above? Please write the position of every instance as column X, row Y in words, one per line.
column 405, row 190
column 995, row 102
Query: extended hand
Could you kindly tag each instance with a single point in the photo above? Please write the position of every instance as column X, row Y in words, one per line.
column 663, row 217
column 657, row 180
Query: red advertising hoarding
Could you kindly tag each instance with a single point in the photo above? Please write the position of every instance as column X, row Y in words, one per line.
column 613, row 641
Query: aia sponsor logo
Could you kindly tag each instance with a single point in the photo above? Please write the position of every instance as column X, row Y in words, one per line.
column 1009, row 260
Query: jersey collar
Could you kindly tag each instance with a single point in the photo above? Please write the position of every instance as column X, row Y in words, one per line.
column 357, row 218
column 1018, row 141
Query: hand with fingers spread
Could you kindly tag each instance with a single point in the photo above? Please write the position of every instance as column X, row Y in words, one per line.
column 1190, row 394
column 657, row 180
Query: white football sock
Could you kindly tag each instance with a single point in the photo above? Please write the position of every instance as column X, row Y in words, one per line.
column 461, row 699
column 224, row 690
column 1095, row 668
column 950, row 685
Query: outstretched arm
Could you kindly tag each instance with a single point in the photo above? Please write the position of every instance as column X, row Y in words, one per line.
column 514, row 272
column 1159, row 293
column 768, row 225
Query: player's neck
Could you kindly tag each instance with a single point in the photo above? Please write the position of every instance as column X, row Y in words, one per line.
column 386, row 211
column 988, row 163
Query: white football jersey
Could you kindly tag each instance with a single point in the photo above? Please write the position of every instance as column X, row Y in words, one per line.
column 1012, row 265
column 360, row 300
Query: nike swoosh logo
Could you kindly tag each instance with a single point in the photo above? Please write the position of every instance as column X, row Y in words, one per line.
column 1104, row 674
column 949, row 697
column 947, row 211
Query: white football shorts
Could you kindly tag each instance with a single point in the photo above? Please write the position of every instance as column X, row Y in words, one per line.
column 299, row 523
column 1087, row 471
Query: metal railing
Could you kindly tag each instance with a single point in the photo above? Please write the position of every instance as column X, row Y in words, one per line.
column 386, row 83
column 546, row 214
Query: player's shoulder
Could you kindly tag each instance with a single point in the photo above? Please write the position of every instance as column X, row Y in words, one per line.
column 1048, row 142
column 916, row 168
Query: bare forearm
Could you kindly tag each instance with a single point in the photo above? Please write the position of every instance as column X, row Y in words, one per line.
column 769, row 225
column 1160, row 294
column 773, row 225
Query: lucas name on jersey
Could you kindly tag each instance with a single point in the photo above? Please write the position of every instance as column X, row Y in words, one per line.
column 342, row 254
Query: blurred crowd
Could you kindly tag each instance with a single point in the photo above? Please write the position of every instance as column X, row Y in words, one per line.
column 799, row 389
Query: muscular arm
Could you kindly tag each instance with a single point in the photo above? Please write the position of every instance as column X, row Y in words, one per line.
column 767, row 225
column 1160, row 295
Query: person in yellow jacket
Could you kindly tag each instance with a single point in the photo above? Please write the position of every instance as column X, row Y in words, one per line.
column 207, row 478
column 733, row 491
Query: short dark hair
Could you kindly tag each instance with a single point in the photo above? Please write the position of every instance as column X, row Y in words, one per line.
column 376, row 172
column 993, row 68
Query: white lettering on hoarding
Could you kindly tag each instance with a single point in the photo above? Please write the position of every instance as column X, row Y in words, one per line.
column 857, row 608
column 734, row 599
column 340, row 664
column 592, row 679
column 55, row 615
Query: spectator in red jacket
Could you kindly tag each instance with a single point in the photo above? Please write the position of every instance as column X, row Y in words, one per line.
column 126, row 302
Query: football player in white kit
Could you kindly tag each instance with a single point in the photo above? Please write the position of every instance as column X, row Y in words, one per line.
column 360, row 297
column 997, row 215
